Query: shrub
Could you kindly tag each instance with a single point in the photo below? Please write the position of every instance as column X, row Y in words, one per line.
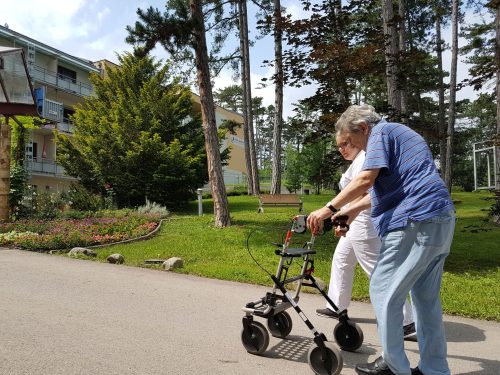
column 153, row 208
column 48, row 205
column 238, row 190
column 81, row 199
column 495, row 208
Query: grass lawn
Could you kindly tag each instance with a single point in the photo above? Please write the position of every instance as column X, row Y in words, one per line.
column 471, row 282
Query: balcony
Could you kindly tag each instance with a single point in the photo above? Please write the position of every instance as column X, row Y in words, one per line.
column 67, row 84
column 50, row 109
column 53, row 111
column 45, row 167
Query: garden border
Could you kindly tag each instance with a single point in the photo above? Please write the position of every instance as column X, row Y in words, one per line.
column 145, row 237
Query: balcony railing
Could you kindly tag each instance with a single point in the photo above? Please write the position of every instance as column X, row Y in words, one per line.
column 54, row 111
column 45, row 166
column 66, row 126
column 51, row 110
column 68, row 84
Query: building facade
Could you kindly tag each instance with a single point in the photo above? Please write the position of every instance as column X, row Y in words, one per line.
column 61, row 81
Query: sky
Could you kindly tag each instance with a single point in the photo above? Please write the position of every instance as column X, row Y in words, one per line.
column 95, row 30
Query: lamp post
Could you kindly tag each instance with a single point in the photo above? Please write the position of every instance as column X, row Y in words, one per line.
column 200, row 201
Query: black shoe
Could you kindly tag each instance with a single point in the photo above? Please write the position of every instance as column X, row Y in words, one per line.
column 416, row 371
column 409, row 333
column 327, row 313
column 379, row 367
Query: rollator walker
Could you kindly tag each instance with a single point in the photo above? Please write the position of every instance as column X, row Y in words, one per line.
column 323, row 356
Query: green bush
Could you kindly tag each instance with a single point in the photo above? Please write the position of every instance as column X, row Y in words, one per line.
column 81, row 199
column 495, row 208
column 18, row 179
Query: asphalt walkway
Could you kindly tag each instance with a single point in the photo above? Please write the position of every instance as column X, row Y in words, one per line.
column 66, row 316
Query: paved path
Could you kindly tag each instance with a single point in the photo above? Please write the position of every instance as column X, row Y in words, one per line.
column 65, row 316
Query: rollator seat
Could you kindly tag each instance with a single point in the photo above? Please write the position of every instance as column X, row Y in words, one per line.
column 293, row 252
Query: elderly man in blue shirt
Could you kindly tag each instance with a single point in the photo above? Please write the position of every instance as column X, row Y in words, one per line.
column 413, row 213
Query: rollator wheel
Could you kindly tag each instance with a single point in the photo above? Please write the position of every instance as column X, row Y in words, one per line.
column 348, row 335
column 331, row 364
column 280, row 325
column 255, row 339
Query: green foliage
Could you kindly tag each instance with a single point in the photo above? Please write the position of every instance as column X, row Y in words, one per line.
column 480, row 51
column 18, row 185
column 230, row 97
column 137, row 135
column 237, row 190
column 81, row 199
column 321, row 161
column 294, row 175
column 495, row 207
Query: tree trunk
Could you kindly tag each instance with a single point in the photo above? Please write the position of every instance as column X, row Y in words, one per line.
column 497, row 60
column 278, row 82
column 245, row 100
column 215, row 175
column 391, row 59
column 402, row 54
column 441, row 130
column 453, row 88
column 248, row 95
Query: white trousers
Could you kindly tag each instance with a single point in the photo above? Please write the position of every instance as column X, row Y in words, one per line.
column 347, row 253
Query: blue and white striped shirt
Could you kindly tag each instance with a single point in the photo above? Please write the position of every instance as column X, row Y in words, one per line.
column 408, row 186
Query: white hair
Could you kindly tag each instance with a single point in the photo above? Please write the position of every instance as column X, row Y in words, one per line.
column 354, row 115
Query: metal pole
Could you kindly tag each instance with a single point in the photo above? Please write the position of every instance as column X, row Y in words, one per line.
column 200, row 202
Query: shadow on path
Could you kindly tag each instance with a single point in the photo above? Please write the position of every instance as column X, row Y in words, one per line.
column 460, row 332
column 295, row 348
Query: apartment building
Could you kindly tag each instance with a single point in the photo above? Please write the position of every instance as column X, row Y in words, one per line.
column 61, row 81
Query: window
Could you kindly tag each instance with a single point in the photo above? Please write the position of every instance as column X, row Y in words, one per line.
column 66, row 114
column 66, row 74
column 35, row 150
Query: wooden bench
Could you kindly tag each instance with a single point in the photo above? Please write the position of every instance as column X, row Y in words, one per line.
column 279, row 200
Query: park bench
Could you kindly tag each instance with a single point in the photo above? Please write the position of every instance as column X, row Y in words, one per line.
column 279, row 200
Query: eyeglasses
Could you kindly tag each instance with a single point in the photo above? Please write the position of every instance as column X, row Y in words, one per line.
column 343, row 145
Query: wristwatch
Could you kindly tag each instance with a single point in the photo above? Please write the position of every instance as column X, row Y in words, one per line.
column 331, row 208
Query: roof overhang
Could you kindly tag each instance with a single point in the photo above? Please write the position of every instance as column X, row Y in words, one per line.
column 16, row 90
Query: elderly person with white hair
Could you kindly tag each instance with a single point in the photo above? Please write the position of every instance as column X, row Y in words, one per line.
column 413, row 214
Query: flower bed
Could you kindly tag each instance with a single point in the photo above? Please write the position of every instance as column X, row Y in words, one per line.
column 64, row 234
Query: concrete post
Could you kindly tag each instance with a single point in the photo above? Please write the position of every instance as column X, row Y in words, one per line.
column 200, row 201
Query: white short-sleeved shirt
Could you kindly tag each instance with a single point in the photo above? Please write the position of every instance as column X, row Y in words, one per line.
column 362, row 227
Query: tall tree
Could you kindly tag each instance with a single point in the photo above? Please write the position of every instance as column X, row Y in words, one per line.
column 441, row 130
column 453, row 88
column 186, row 27
column 495, row 210
column 249, row 141
column 391, row 59
column 229, row 97
column 402, row 54
column 278, row 99
column 496, row 6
